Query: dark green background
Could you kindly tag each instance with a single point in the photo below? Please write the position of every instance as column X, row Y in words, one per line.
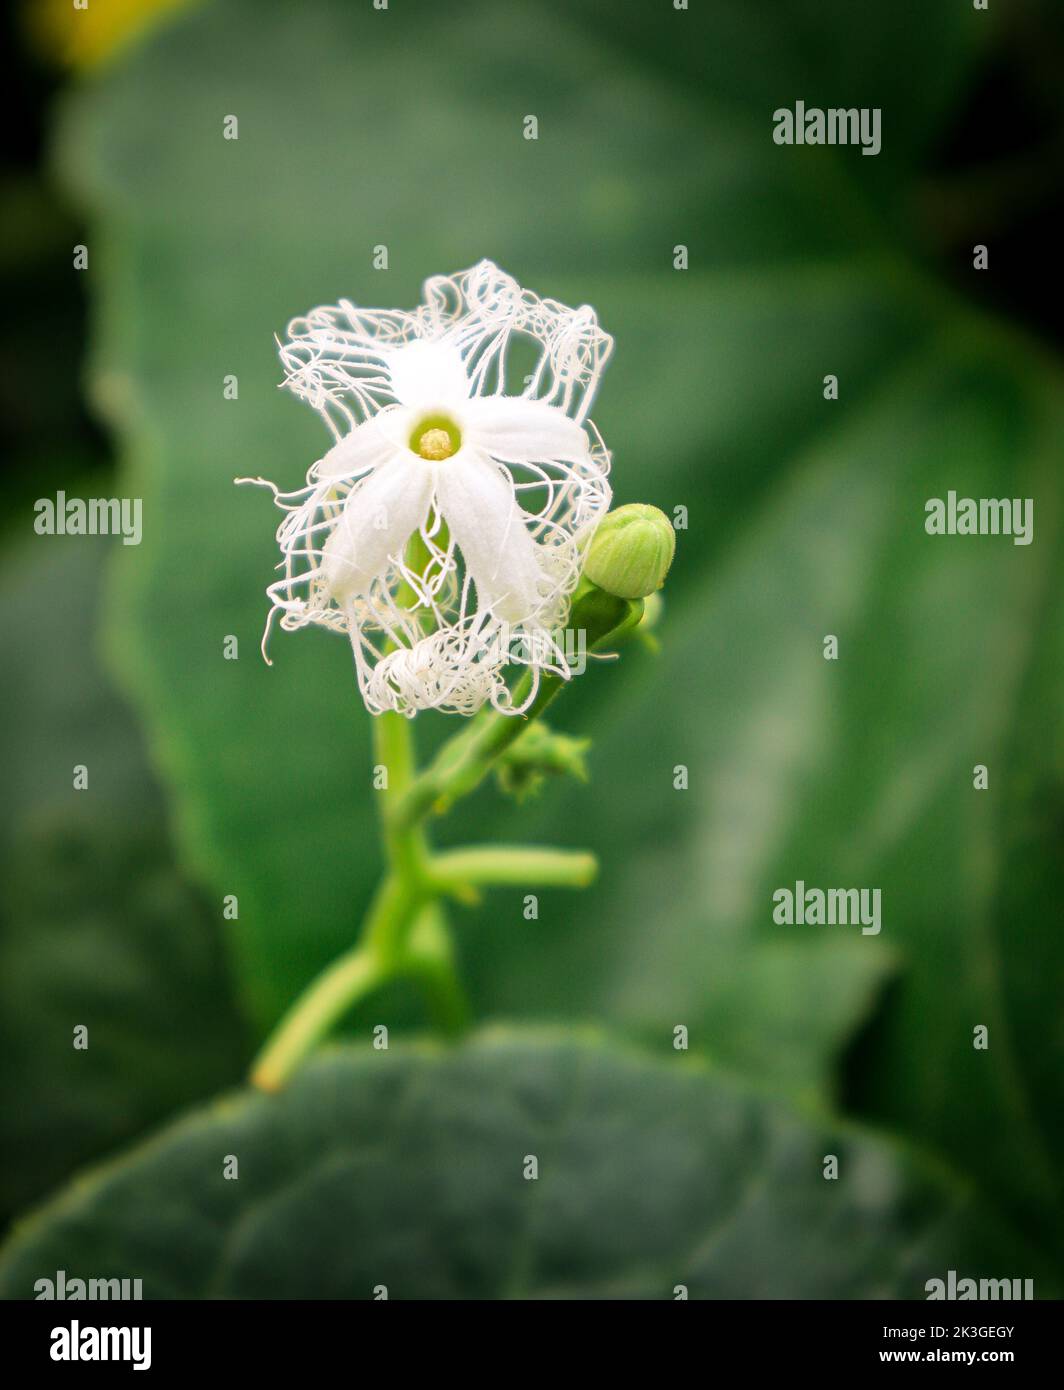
column 357, row 128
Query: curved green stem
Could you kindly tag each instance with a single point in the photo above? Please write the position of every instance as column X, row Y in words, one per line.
column 379, row 954
column 394, row 751
column 535, row 865
column 465, row 760
column 313, row 1014
column 431, row 959
column 405, row 930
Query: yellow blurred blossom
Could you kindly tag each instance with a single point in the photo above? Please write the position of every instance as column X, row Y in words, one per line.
column 84, row 33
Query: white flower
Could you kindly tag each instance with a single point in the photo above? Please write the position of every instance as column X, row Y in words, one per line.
column 444, row 530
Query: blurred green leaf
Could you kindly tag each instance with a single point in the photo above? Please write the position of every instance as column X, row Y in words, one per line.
column 272, row 765
column 806, row 518
column 98, row 927
column 855, row 772
column 407, row 1169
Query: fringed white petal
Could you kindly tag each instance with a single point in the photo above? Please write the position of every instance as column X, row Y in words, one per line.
column 455, row 671
column 358, row 452
column 478, row 503
column 338, row 356
column 517, row 430
column 501, row 524
column 428, row 374
column 377, row 521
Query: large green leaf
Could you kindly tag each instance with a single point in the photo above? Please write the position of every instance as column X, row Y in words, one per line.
column 99, row 927
column 858, row 772
column 408, row 1169
column 806, row 517
column 272, row 765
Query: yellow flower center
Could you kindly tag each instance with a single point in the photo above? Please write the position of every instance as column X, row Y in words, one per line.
column 436, row 438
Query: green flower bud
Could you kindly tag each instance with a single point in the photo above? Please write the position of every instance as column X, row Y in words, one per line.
column 631, row 551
